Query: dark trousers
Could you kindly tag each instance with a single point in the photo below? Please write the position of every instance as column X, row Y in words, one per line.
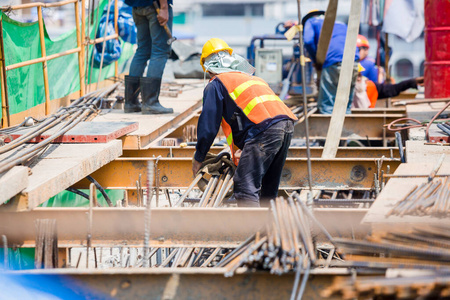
column 258, row 174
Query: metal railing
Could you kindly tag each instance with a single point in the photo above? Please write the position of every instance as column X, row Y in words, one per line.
column 82, row 42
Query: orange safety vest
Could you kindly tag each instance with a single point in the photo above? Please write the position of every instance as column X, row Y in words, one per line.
column 372, row 92
column 256, row 99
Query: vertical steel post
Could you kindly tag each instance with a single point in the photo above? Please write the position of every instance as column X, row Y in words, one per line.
column 44, row 63
column 80, row 43
column 116, row 29
column 4, row 85
column 305, row 101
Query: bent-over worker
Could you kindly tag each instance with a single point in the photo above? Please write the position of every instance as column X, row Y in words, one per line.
column 253, row 119
column 368, row 92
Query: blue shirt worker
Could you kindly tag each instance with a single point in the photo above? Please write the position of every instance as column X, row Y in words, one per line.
column 368, row 63
column 331, row 69
column 253, row 119
column 151, row 45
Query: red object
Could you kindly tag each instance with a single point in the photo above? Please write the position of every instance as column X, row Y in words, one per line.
column 362, row 41
column 86, row 132
column 437, row 48
column 372, row 93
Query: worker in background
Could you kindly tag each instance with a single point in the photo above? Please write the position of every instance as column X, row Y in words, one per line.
column 331, row 68
column 368, row 63
column 151, row 45
column 368, row 92
column 253, row 119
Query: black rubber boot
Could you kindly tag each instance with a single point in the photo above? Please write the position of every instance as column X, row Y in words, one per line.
column 150, row 88
column 132, row 90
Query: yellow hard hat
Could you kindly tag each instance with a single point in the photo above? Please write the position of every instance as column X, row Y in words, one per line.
column 212, row 46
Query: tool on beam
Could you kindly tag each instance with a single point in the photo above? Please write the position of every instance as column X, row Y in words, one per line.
column 166, row 28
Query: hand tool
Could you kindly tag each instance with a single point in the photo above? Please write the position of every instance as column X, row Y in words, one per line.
column 166, row 28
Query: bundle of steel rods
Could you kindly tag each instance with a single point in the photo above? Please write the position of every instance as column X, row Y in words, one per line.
column 435, row 286
column 64, row 119
column 284, row 246
column 221, row 169
column 422, row 248
column 430, row 198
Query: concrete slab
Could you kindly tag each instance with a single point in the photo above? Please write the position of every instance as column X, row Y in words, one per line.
column 13, row 182
column 417, row 151
column 85, row 132
column 397, row 189
column 425, row 111
column 61, row 166
column 153, row 126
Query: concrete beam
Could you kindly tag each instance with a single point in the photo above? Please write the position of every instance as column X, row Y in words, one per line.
column 13, row 182
column 61, row 166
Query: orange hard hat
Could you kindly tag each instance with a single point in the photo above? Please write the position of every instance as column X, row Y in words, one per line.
column 362, row 41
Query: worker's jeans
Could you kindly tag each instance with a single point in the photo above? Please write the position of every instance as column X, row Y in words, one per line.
column 258, row 174
column 151, row 42
column 328, row 88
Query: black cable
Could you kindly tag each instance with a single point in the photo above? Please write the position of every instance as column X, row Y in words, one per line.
column 78, row 192
column 101, row 190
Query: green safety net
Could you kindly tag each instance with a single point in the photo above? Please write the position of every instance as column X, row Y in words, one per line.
column 26, row 85
column 70, row 199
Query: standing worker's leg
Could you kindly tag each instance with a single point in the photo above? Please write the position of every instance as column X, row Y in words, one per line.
column 151, row 85
column 142, row 55
column 352, row 88
column 328, row 87
column 272, row 177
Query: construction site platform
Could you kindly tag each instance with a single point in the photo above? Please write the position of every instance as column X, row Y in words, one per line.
column 152, row 128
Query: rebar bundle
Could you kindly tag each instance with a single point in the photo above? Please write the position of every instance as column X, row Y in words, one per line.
column 64, row 119
column 430, row 198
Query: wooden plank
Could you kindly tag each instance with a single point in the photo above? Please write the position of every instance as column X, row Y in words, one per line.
column 59, row 168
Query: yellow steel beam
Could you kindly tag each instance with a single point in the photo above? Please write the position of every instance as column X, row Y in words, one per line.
column 169, row 226
column 344, row 152
column 176, row 172
column 356, row 126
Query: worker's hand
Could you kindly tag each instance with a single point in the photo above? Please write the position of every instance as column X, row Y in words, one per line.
column 420, row 81
column 195, row 167
column 163, row 16
column 237, row 156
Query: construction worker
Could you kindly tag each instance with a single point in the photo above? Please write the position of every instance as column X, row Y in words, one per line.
column 368, row 63
column 368, row 92
column 253, row 119
column 152, row 45
column 331, row 69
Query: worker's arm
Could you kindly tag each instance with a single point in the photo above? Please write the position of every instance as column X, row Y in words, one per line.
column 386, row 90
column 163, row 15
column 209, row 121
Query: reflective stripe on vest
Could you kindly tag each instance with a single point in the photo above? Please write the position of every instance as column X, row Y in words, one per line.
column 229, row 135
column 254, row 96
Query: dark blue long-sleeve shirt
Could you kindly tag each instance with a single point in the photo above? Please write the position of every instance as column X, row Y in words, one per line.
column 311, row 35
column 217, row 104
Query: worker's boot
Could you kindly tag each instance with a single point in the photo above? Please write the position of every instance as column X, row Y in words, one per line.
column 132, row 90
column 150, row 88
